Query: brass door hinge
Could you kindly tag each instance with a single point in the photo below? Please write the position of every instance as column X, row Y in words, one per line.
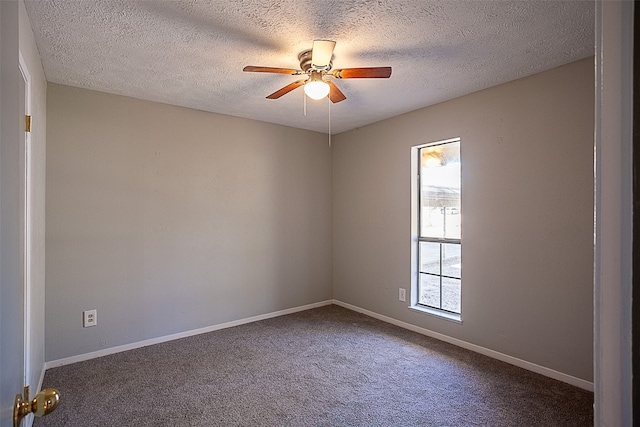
column 27, row 123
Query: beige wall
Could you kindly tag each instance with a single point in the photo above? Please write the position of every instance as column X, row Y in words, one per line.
column 167, row 219
column 527, row 232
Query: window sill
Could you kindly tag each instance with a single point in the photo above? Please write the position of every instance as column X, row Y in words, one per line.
column 438, row 313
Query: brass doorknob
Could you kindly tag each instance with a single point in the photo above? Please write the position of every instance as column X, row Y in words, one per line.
column 44, row 403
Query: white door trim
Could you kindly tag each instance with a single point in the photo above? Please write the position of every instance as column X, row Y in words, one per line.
column 27, row 245
column 613, row 262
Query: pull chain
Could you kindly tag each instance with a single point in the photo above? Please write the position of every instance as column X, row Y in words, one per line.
column 329, row 122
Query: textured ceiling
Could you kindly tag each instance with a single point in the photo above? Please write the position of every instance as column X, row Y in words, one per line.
column 191, row 53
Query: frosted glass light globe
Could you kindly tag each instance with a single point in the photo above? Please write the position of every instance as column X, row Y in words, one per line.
column 316, row 89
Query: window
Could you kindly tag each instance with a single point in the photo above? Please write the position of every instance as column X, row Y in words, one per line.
column 437, row 214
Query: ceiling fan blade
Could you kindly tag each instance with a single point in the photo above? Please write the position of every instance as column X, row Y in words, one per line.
column 285, row 90
column 321, row 53
column 335, row 94
column 255, row 69
column 362, row 73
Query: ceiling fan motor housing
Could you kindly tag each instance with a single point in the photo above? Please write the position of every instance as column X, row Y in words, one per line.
column 305, row 61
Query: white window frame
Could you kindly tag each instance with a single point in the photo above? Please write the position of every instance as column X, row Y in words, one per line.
column 415, row 236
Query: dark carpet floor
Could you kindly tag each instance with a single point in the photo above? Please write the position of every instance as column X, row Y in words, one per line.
column 323, row 367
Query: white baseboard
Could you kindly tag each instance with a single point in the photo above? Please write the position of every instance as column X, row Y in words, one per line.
column 121, row 348
column 586, row 385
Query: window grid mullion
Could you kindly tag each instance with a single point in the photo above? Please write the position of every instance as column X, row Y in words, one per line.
column 440, row 276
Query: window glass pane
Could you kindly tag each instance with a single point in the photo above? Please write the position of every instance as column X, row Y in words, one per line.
column 451, row 261
column 429, row 292
column 430, row 258
column 440, row 191
column 451, row 294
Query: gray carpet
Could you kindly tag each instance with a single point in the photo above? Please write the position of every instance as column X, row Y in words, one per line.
column 322, row 367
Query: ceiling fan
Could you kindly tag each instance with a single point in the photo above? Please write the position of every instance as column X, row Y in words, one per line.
column 316, row 64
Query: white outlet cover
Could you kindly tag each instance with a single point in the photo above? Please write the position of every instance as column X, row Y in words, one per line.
column 90, row 318
column 402, row 295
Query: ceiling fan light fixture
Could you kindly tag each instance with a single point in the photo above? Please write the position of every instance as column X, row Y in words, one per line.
column 316, row 89
column 316, row 63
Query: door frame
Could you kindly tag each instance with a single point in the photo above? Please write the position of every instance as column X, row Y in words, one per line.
column 27, row 219
column 613, row 258
column 635, row 308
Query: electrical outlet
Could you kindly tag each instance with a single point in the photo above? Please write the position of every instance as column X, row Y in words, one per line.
column 90, row 318
column 402, row 294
